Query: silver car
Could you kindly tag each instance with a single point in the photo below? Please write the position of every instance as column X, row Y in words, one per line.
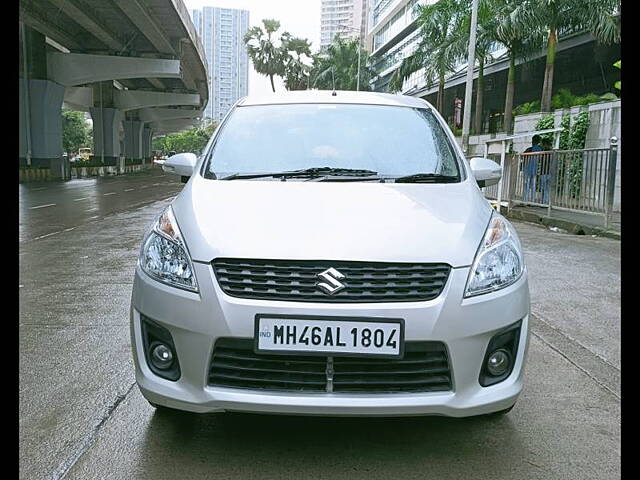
column 331, row 254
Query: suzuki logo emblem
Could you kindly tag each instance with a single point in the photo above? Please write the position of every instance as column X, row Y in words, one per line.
column 331, row 284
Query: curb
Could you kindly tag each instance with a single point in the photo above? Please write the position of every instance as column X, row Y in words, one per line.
column 571, row 227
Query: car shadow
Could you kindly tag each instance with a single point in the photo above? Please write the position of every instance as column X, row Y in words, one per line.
column 251, row 445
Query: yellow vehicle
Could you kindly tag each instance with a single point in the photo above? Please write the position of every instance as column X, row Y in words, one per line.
column 84, row 153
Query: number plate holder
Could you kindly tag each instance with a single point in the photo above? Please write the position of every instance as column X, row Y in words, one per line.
column 278, row 341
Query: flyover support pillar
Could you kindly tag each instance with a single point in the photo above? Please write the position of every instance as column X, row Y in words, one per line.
column 40, row 118
column 133, row 140
column 146, row 145
column 107, row 121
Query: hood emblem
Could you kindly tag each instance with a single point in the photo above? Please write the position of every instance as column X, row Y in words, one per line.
column 329, row 281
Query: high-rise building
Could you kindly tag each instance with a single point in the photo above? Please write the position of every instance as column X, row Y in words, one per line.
column 346, row 18
column 392, row 35
column 221, row 31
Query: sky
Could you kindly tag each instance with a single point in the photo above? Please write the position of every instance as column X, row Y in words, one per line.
column 301, row 18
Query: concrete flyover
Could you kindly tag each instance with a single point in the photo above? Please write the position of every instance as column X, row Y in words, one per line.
column 135, row 65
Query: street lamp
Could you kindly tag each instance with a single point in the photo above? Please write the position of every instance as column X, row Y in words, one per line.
column 345, row 27
column 471, row 61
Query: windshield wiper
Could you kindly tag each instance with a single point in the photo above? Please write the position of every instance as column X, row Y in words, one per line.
column 306, row 172
column 427, row 178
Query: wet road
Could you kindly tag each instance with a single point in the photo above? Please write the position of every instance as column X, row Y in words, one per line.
column 47, row 209
column 82, row 417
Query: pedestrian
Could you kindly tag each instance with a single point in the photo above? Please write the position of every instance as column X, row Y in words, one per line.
column 544, row 169
column 531, row 169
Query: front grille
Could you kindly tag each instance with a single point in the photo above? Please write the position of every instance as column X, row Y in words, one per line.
column 424, row 368
column 295, row 280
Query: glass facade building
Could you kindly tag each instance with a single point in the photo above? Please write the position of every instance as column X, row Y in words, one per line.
column 221, row 31
column 392, row 36
column 347, row 18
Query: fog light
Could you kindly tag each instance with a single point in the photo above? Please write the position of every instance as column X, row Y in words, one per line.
column 161, row 356
column 498, row 362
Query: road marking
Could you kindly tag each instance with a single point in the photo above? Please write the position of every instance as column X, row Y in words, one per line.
column 129, row 189
column 47, row 235
column 43, row 206
column 68, row 229
column 110, row 193
column 91, row 209
column 36, row 189
column 95, row 216
column 78, row 199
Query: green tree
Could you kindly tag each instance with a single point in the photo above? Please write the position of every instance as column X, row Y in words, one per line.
column 600, row 17
column 265, row 50
column 192, row 140
column 338, row 66
column 75, row 131
column 440, row 46
column 295, row 52
column 618, row 84
column 519, row 42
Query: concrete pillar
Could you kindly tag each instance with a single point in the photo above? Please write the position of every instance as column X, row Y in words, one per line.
column 146, row 144
column 107, row 121
column 133, row 139
column 106, row 134
column 40, row 126
column 40, row 111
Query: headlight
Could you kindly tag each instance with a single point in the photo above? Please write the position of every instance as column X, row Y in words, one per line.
column 499, row 261
column 164, row 254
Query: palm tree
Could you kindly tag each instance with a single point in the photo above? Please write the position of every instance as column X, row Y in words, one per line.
column 519, row 42
column 600, row 17
column 266, row 53
column 440, row 46
column 338, row 67
column 485, row 38
column 296, row 71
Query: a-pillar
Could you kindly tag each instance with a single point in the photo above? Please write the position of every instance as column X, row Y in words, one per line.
column 146, row 144
column 107, row 121
column 40, row 118
column 133, row 140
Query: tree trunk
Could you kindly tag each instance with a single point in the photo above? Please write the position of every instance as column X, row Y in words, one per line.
column 272, row 86
column 477, row 127
column 508, row 102
column 440, row 101
column 547, row 88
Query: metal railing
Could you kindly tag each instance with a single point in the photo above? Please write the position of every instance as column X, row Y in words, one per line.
column 575, row 180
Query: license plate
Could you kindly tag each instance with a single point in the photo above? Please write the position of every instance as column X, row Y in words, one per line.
column 344, row 336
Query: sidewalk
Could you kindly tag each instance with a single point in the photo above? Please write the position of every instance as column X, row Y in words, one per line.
column 575, row 222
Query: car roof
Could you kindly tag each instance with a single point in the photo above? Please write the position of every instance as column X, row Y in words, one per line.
column 328, row 96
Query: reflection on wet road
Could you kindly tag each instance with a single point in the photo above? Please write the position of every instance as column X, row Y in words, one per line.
column 47, row 209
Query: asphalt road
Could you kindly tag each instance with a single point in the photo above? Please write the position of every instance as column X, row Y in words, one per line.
column 81, row 416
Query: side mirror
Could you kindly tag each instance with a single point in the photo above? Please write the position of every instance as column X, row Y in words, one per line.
column 181, row 164
column 487, row 172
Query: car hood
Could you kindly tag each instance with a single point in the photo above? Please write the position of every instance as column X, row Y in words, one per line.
column 360, row 221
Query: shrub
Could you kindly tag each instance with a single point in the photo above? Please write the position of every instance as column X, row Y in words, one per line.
column 545, row 123
column 565, row 99
column 527, row 107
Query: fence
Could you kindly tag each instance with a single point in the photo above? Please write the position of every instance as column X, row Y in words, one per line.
column 574, row 180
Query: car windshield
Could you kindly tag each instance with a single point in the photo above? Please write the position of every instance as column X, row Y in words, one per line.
column 392, row 141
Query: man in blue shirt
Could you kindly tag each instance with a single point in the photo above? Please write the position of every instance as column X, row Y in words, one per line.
column 530, row 169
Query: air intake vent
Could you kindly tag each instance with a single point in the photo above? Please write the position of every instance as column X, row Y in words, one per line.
column 424, row 368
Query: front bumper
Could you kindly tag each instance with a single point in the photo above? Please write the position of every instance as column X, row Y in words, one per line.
column 196, row 321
